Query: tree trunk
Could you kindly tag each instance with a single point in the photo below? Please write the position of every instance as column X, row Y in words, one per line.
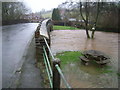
column 93, row 31
column 85, row 20
column 87, row 33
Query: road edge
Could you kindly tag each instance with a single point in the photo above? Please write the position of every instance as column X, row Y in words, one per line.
column 14, row 82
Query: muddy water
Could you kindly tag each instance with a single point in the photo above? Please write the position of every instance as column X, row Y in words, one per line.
column 78, row 75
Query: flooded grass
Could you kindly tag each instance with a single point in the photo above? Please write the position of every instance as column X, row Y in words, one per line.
column 93, row 75
column 69, row 57
column 95, row 69
column 80, row 76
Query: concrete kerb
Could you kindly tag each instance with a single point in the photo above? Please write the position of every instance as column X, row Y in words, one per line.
column 14, row 82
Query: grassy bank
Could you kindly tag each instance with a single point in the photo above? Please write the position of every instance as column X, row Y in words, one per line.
column 68, row 56
column 56, row 27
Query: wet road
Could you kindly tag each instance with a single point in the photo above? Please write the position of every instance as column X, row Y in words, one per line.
column 15, row 39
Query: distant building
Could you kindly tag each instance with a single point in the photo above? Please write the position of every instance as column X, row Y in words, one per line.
column 32, row 17
column 72, row 19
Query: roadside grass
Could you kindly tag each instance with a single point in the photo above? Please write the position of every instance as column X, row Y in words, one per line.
column 56, row 27
column 68, row 57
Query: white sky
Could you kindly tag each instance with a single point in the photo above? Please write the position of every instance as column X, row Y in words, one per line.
column 38, row 5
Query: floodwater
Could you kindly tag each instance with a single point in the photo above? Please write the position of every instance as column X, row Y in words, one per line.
column 91, row 76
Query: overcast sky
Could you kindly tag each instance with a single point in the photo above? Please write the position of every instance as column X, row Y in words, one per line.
column 38, row 5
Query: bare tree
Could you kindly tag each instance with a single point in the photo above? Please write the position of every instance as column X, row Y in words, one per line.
column 13, row 10
column 96, row 19
column 87, row 6
column 87, row 16
column 96, row 15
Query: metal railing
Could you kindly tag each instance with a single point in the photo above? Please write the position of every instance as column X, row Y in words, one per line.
column 53, row 71
column 48, row 67
column 62, row 76
column 52, row 64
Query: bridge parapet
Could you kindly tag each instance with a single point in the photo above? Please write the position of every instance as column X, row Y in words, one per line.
column 45, row 28
column 43, row 53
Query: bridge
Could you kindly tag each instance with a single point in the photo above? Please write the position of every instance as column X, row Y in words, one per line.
column 24, row 47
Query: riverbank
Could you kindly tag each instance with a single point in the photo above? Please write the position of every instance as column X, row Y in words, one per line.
column 78, row 75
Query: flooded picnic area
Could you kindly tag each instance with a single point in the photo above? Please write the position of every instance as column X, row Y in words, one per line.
column 79, row 75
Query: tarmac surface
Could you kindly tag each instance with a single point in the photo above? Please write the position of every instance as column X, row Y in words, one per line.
column 30, row 75
column 15, row 42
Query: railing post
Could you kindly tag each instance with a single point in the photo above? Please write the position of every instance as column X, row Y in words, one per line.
column 56, row 75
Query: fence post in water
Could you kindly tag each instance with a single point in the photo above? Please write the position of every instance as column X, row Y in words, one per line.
column 56, row 75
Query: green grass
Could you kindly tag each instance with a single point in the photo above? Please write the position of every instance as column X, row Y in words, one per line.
column 55, row 27
column 68, row 56
column 73, row 57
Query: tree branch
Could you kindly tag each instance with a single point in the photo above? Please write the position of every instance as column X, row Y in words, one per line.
column 81, row 11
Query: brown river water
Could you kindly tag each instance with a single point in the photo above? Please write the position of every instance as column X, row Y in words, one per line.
column 78, row 75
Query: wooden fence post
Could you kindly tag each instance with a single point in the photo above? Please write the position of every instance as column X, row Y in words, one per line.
column 56, row 75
